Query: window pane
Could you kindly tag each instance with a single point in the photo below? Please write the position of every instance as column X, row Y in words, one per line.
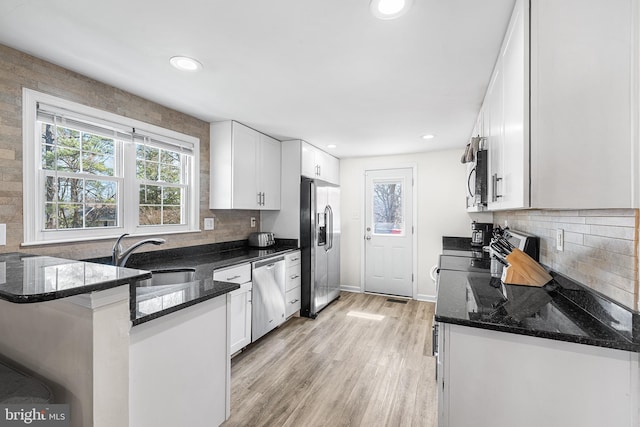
column 170, row 174
column 50, row 216
column 170, row 158
column 151, row 171
column 98, row 164
column 68, row 137
column 150, row 195
column 70, row 190
column 101, row 215
column 68, row 160
column 147, row 153
column 387, row 207
column 171, row 215
column 140, row 166
column 48, row 157
column 69, row 215
column 150, row 215
column 100, row 191
column 97, row 144
column 172, row 196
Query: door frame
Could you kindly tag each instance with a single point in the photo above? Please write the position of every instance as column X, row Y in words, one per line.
column 414, row 238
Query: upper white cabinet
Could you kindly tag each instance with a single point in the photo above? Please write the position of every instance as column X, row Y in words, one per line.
column 584, row 104
column 560, row 110
column 506, row 118
column 315, row 163
column 245, row 168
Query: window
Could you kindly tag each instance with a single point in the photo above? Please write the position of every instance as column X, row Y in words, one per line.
column 388, row 209
column 90, row 174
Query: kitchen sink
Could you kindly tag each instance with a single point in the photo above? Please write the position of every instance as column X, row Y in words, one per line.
column 175, row 276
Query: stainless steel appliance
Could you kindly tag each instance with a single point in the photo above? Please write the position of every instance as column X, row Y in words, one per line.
column 477, row 178
column 319, row 245
column 268, row 298
column 262, row 239
column 481, row 233
column 526, row 242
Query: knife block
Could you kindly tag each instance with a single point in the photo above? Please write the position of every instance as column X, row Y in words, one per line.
column 524, row 270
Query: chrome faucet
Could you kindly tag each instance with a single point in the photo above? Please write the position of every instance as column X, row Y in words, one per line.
column 119, row 257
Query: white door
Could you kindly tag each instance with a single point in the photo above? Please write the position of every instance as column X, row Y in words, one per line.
column 389, row 232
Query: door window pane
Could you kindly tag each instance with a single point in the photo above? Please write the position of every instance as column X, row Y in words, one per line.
column 388, row 210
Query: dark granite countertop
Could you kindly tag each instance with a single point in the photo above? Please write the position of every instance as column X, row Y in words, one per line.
column 461, row 247
column 157, row 301
column 561, row 310
column 29, row 278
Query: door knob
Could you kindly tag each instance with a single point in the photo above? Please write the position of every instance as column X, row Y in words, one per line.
column 367, row 237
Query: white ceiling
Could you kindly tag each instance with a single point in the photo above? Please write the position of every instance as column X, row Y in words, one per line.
column 324, row 71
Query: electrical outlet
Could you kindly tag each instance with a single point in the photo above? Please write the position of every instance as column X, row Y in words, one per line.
column 253, row 221
column 209, row 224
column 3, row 235
column 560, row 239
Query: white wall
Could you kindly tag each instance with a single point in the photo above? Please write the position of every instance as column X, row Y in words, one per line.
column 440, row 190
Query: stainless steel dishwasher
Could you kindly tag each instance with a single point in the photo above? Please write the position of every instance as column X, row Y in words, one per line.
column 268, row 299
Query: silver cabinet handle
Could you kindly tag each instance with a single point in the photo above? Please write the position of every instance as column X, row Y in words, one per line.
column 494, row 185
column 234, row 277
column 295, row 276
column 293, row 301
column 259, row 199
column 294, row 259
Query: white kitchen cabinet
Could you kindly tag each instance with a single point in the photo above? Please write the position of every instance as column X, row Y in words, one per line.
column 584, row 104
column 561, row 107
column 499, row 379
column 293, row 282
column 239, row 305
column 507, row 118
column 244, row 168
column 297, row 156
column 179, row 362
column 315, row 163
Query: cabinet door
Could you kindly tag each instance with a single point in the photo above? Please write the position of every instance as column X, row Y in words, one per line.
column 269, row 177
column 309, row 164
column 246, row 143
column 329, row 167
column 240, row 323
column 515, row 141
column 494, row 120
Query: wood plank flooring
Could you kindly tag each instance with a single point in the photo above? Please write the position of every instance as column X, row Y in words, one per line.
column 340, row 370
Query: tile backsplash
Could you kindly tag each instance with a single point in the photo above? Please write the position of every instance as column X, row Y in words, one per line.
column 600, row 249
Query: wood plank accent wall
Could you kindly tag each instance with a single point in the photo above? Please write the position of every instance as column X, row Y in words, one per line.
column 18, row 70
column 600, row 250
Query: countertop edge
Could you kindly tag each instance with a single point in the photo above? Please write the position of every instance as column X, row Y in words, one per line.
column 214, row 294
column 615, row 345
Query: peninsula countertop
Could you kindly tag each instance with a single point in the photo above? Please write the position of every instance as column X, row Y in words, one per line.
column 26, row 278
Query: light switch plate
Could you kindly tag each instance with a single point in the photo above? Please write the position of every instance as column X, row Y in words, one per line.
column 209, row 224
column 3, row 234
column 253, row 221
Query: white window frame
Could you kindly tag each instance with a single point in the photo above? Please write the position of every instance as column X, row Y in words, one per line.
column 128, row 209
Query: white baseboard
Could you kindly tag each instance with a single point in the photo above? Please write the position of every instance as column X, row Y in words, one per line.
column 351, row 289
column 427, row 298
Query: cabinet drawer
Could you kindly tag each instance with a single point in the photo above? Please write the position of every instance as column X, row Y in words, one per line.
column 293, row 277
column 293, row 301
column 292, row 259
column 237, row 274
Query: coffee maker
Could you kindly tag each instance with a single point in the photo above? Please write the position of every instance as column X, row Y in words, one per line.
column 481, row 233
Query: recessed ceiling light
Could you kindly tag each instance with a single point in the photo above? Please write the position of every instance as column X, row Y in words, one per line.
column 389, row 9
column 331, row 146
column 428, row 136
column 184, row 63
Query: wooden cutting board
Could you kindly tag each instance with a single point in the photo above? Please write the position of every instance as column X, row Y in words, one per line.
column 524, row 270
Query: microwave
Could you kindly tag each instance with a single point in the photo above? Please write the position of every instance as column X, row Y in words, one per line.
column 477, row 181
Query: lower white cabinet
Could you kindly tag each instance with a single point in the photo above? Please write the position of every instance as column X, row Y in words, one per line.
column 239, row 306
column 499, row 379
column 179, row 368
column 293, row 282
column 240, row 309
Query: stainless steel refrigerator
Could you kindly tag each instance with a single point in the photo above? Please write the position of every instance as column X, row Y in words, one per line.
column 319, row 244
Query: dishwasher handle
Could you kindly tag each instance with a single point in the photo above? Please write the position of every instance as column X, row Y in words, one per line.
column 268, row 262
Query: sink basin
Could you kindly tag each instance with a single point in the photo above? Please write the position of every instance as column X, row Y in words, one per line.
column 173, row 276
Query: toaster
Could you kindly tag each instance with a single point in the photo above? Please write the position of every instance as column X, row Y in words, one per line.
column 262, row 239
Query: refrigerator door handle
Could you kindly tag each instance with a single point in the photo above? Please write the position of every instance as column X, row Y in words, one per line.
column 330, row 227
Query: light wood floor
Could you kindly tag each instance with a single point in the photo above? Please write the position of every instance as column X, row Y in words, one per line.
column 340, row 370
